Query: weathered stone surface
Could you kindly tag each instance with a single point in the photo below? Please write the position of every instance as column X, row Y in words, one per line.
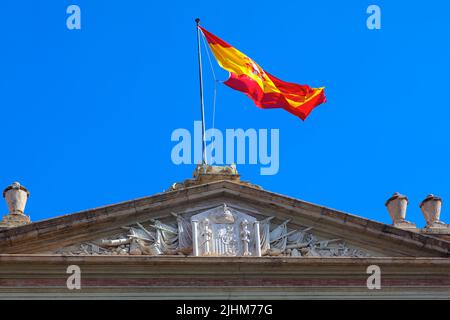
column 144, row 277
column 396, row 206
column 227, row 233
column 377, row 238
column 14, row 220
column 431, row 209
column 204, row 174
column 16, row 197
column 309, row 250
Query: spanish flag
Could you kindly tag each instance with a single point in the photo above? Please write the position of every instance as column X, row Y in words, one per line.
column 264, row 89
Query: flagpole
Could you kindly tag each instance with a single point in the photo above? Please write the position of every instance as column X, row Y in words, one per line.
column 202, row 106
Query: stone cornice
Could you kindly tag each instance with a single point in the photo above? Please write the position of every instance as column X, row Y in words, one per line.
column 247, row 261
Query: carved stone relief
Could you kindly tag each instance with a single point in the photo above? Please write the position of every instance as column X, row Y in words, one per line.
column 221, row 231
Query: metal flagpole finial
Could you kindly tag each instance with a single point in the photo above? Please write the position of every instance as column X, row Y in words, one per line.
column 197, row 21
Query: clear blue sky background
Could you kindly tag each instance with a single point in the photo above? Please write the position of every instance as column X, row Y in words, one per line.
column 86, row 116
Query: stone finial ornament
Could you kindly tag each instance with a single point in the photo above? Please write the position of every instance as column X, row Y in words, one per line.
column 16, row 197
column 205, row 173
column 396, row 206
column 431, row 209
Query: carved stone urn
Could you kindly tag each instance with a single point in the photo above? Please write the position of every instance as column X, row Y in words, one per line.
column 16, row 197
column 396, row 206
column 431, row 210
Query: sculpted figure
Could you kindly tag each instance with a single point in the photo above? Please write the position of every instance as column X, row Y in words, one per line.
column 245, row 237
column 207, row 236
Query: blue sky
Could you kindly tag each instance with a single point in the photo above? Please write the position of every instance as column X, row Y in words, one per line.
column 87, row 115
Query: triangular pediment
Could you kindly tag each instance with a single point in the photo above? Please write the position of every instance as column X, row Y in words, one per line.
column 219, row 218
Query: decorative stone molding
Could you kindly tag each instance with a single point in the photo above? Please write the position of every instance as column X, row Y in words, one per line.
column 396, row 206
column 205, row 173
column 431, row 210
column 16, row 197
column 219, row 232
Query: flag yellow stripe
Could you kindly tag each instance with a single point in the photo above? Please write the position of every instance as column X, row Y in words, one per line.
column 238, row 63
column 296, row 104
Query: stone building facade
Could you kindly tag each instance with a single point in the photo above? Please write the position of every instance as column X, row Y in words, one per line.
column 216, row 236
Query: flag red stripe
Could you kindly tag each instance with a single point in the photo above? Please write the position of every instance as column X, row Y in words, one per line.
column 292, row 89
column 251, row 88
column 305, row 109
column 212, row 39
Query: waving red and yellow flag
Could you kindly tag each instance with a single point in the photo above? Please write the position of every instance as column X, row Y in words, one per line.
column 264, row 89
